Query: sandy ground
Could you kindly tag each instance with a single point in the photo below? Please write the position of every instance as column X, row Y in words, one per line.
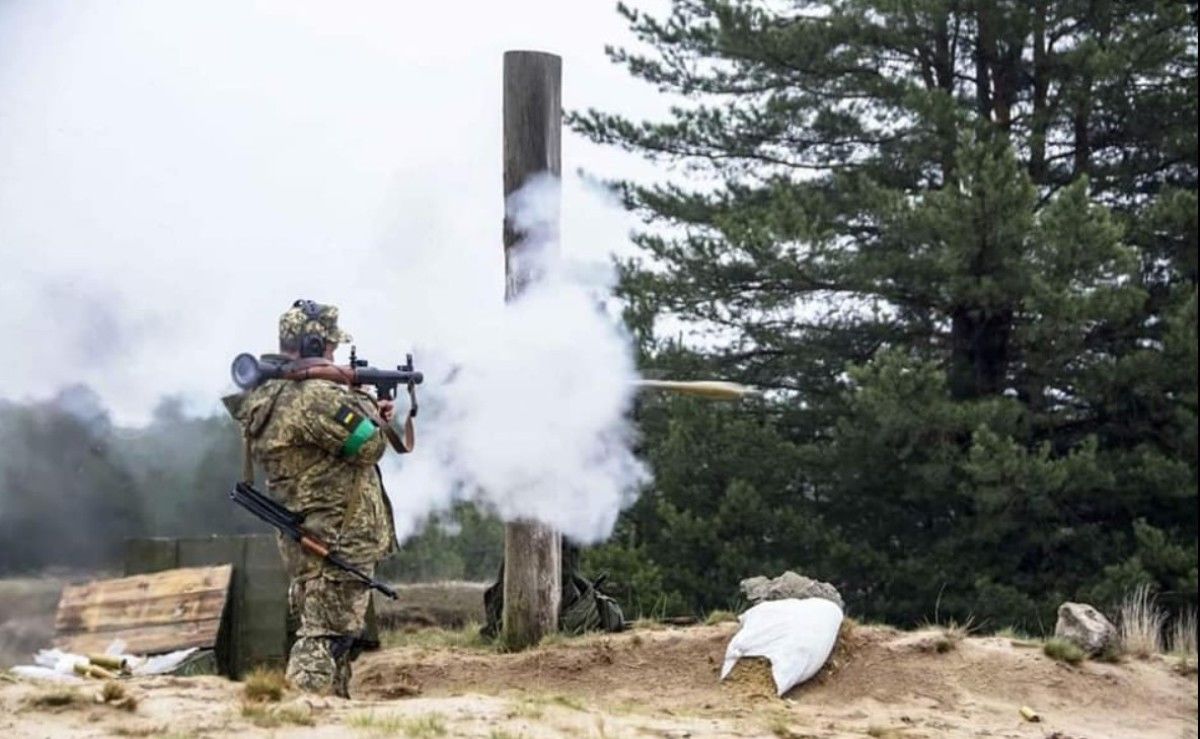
column 662, row 683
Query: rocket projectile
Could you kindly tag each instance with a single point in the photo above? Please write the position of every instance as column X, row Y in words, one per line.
column 713, row 389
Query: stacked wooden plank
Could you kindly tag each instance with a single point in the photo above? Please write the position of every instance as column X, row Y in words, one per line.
column 151, row 614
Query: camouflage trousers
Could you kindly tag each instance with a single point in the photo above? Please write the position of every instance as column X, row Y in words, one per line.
column 330, row 612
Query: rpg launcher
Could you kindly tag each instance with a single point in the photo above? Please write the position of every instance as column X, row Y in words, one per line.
column 249, row 372
column 291, row 525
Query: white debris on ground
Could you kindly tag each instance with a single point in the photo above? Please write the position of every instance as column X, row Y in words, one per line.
column 796, row 636
column 161, row 664
column 55, row 665
column 35, row 672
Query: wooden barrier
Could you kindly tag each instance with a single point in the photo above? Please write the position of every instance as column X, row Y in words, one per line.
column 149, row 614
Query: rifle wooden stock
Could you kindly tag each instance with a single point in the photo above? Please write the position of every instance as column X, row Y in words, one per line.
column 310, row 544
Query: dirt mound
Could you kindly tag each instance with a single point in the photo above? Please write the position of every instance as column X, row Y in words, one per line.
column 877, row 680
column 676, row 661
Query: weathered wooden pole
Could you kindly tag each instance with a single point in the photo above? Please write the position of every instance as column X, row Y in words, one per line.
column 532, row 146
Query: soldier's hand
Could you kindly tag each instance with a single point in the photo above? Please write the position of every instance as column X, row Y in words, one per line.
column 387, row 410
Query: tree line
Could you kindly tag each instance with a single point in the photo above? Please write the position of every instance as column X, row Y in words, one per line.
column 74, row 487
column 956, row 242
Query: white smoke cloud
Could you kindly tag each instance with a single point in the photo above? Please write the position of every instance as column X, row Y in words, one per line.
column 530, row 418
column 174, row 175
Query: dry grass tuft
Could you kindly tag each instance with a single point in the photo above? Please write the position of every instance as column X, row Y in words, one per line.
column 1113, row 653
column 112, row 691
column 1141, row 623
column 417, row 727
column 1183, row 635
column 114, row 694
column 298, row 714
column 1063, row 651
column 271, row 717
column 720, row 617
column 945, row 644
column 526, row 709
column 259, row 715
column 422, row 727
column 264, row 685
column 386, row 725
column 947, row 636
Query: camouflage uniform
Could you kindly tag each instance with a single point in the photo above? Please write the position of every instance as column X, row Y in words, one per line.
column 319, row 443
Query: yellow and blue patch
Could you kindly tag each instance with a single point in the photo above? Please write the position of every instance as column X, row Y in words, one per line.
column 361, row 429
column 348, row 418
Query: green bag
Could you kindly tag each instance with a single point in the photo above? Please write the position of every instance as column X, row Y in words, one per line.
column 583, row 607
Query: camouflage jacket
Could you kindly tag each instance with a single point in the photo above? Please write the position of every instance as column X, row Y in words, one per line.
column 319, row 447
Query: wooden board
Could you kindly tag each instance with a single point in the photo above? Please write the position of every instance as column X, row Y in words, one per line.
column 160, row 612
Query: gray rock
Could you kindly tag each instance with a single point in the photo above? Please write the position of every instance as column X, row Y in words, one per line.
column 1085, row 627
column 788, row 585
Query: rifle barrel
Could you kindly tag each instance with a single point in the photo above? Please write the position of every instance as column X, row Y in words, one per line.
column 289, row 523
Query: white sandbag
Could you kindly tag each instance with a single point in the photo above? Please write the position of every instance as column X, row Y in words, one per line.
column 38, row 672
column 797, row 636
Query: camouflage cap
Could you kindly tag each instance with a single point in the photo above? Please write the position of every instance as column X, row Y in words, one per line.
column 313, row 318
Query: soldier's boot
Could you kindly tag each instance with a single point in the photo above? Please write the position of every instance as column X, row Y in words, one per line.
column 312, row 666
column 342, row 650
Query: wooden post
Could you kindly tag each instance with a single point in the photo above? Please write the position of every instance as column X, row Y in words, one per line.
column 532, row 146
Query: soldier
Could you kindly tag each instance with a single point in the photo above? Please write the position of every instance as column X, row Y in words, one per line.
column 319, row 443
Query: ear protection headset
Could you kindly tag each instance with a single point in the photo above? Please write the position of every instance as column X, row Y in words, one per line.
column 311, row 345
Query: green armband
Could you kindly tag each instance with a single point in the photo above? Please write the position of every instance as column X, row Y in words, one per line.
column 361, row 434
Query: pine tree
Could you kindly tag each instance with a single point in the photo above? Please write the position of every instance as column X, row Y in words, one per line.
column 957, row 241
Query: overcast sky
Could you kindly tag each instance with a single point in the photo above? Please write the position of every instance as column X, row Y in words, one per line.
column 173, row 174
